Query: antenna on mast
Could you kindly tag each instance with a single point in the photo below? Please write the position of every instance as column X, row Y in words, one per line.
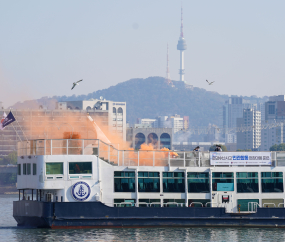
column 168, row 80
column 181, row 31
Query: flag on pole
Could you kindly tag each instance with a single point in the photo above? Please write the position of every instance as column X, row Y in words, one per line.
column 6, row 120
column 2, row 120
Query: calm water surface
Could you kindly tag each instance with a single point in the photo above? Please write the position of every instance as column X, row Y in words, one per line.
column 10, row 232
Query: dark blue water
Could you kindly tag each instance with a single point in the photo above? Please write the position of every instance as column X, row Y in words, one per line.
column 10, row 232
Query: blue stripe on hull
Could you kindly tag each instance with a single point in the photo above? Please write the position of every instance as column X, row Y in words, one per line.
column 95, row 214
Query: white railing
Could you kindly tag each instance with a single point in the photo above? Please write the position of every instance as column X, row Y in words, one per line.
column 113, row 155
column 211, row 203
column 253, row 206
column 190, row 205
column 268, row 204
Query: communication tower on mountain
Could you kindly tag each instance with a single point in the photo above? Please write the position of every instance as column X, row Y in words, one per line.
column 181, row 46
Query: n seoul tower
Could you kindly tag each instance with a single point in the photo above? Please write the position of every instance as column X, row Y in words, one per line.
column 181, row 46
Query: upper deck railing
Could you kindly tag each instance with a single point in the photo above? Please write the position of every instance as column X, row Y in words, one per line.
column 112, row 153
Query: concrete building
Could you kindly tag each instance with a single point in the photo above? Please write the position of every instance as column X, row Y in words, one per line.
column 148, row 122
column 114, row 113
column 39, row 123
column 249, row 135
column 232, row 110
column 230, row 138
column 273, row 131
column 159, row 137
column 175, row 122
column 273, row 134
column 275, row 108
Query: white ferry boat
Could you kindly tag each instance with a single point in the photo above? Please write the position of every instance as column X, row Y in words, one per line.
column 72, row 183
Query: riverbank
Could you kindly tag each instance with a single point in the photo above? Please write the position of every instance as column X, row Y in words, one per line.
column 8, row 189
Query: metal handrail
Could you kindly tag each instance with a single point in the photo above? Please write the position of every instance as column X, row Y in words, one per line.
column 195, row 203
column 210, row 203
column 269, row 204
column 253, row 206
column 280, row 203
column 173, row 203
column 125, row 203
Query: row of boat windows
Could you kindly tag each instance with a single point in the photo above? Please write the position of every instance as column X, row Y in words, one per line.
column 28, row 169
column 56, row 168
column 246, row 182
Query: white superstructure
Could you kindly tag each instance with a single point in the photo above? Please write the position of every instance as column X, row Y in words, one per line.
column 91, row 170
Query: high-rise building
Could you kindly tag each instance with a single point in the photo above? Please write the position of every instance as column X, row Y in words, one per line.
column 233, row 109
column 177, row 123
column 274, row 123
column 249, row 135
column 181, row 46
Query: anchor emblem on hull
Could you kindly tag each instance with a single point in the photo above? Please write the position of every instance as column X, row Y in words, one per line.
column 80, row 191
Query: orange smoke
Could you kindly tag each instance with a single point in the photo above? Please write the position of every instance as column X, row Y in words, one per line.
column 71, row 127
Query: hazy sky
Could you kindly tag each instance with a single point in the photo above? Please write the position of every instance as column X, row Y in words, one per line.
column 47, row 45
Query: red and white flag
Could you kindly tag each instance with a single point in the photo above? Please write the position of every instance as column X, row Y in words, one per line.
column 2, row 120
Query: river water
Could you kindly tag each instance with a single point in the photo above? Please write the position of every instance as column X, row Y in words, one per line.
column 10, row 232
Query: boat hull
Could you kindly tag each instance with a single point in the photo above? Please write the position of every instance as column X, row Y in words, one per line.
column 97, row 215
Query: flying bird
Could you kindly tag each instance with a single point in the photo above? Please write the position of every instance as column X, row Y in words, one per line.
column 210, row 83
column 76, row 83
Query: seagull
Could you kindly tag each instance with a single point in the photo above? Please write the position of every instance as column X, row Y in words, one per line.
column 210, row 83
column 76, row 83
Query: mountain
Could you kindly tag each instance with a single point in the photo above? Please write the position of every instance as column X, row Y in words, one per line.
column 152, row 97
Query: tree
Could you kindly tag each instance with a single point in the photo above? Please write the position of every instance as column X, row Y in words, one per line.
column 10, row 159
column 280, row 147
column 213, row 147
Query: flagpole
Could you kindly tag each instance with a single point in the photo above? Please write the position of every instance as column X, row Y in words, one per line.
column 20, row 127
column 17, row 132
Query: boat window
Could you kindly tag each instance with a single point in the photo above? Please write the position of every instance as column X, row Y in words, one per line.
column 19, row 169
column 247, row 182
column 247, row 174
column 149, row 183
column 124, row 181
column 149, row 203
column 54, row 168
column 29, row 169
column 272, row 181
column 173, row 182
column 24, row 169
column 271, row 174
column 198, row 182
column 80, row 167
column 223, row 181
column 34, row 169
column 173, row 202
column 198, row 175
column 223, row 175
column 272, row 203
column 247, row 204
column 124, row 174
column 124, row 203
